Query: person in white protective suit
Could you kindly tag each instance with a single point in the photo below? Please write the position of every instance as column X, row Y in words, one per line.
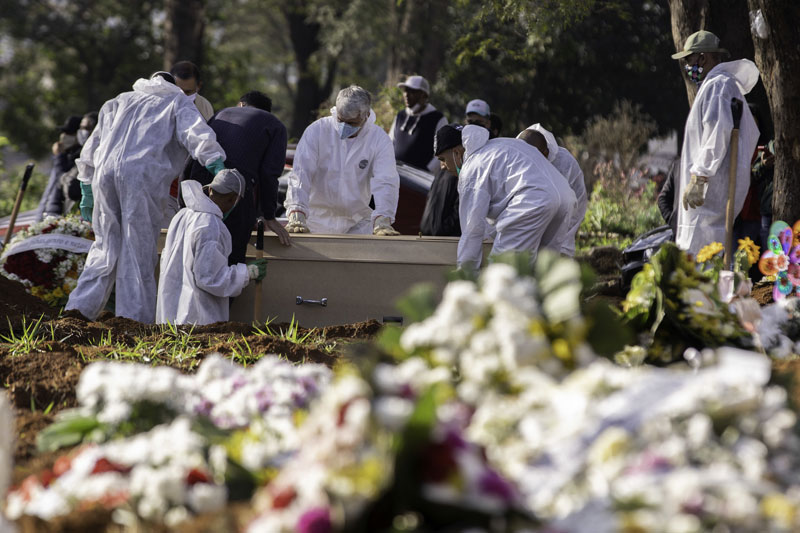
column 565, row 163
column 702, row 194
column 340, row 161
column 510, row 182
column 195, row 281
column 140, row 144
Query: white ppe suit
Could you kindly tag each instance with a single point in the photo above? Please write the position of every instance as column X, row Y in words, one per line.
column 705, row 153
column 195, row 281
column 566, row 163
column 511, row 182
column 138, row 147
column 332, row 178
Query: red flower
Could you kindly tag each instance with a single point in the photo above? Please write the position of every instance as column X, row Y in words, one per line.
column 104, row 465
column 197, row 476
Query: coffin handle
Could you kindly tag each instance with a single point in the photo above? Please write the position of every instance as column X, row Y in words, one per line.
column 322, row 301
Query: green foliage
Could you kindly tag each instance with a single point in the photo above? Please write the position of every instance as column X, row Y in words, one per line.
column 621, row 206
column 67, row 58
column 673, row 306
column 69, row 431
column 29, row 340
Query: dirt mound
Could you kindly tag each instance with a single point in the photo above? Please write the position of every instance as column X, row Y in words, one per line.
column 15, row 303
column 605, row 260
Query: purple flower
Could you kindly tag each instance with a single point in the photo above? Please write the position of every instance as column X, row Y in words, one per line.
column 264, row 399
column 204, row 407
column 491, row 483
column 315, row 520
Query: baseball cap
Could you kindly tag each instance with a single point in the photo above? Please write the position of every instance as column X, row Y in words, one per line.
column 700, row 41
column 416, row 82
column 71, row 125
column 227, row 181
column 478, row 106
column 448, row 136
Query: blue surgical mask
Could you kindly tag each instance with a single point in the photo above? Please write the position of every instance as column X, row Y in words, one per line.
column 346, row 130
column 458, row 168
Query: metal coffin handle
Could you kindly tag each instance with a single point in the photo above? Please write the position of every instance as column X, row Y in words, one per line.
column 322, row 301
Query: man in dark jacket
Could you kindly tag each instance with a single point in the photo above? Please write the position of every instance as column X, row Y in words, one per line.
column 65, row 151
column 255, row 143
column 414, row 127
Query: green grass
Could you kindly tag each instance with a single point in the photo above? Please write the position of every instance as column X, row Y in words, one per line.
column 30, row 339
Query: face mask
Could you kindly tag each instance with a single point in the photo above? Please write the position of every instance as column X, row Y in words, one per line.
column 695, row 73
column 227, row 213
column 346, row 130
column 82, row 136
column 68, row 141
column 458, row 168
column 417, row 108
column 192, row 96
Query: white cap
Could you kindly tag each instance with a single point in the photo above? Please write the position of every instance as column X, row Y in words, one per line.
column 227, row 181
column 478, row 106
column 416, row 82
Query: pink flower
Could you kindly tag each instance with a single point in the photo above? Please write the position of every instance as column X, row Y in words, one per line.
column 315, row 520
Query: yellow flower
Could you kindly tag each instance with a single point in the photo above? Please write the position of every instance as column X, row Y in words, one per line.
column 707, row 252
column 751, row 248
column 780, row 509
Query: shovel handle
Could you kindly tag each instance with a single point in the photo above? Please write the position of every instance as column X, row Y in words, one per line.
column 20, row 194
column 259, row 255
column 736, row 112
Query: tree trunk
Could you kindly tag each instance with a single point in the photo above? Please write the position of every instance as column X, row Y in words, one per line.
column 183, row 32
column 310, row 91
column 778, row 59
column 419, row 39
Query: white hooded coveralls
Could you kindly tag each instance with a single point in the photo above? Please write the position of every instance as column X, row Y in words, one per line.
column 509, row 181
column 332, row 178
column 566, row 163
column 705, row 153
column 195, row 281
column 138, row 147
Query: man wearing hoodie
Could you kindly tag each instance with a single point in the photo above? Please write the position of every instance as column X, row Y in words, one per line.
column 341, row 161
column 195, row 281
column 702, row 191
column 510, row 183
column 565, row 163
column 414, row 127
column 140, row 144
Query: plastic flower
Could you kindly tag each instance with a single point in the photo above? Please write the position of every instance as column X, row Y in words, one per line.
column 782, row 260
column 751, row 248
column 707, row 252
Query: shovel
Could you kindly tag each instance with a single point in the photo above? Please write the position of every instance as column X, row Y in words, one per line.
column 736, row 111
column 259, row 255
column 20, row 194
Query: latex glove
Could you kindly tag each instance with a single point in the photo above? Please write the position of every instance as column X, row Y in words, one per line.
column 216, row 166
column 257, row 269
column 87, row 201
column 297, row 223
column 383, row 226
column 695, row 193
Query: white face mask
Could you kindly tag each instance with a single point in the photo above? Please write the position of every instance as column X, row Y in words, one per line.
column 192, row 96
column 83, row 136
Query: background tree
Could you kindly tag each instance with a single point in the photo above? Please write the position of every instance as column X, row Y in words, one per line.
column 67, row 58
column 778, row 58
column 184, row 26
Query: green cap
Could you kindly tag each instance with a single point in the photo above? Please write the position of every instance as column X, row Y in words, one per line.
column 700, row 41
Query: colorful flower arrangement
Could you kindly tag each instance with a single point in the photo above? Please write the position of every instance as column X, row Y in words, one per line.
column 782, row 260
column 492, row 411
column 49, row 273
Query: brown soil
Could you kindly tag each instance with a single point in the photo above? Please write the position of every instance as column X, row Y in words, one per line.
column 16, row 303
column 762, row 293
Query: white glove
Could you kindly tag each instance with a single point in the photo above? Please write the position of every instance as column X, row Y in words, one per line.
column 695, row 193
column 297, row 223
column 252, row 271
column 383, row 226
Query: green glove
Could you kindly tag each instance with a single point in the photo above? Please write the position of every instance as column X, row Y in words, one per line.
column 215, row 166
column 257, row 269
column 87, row 201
